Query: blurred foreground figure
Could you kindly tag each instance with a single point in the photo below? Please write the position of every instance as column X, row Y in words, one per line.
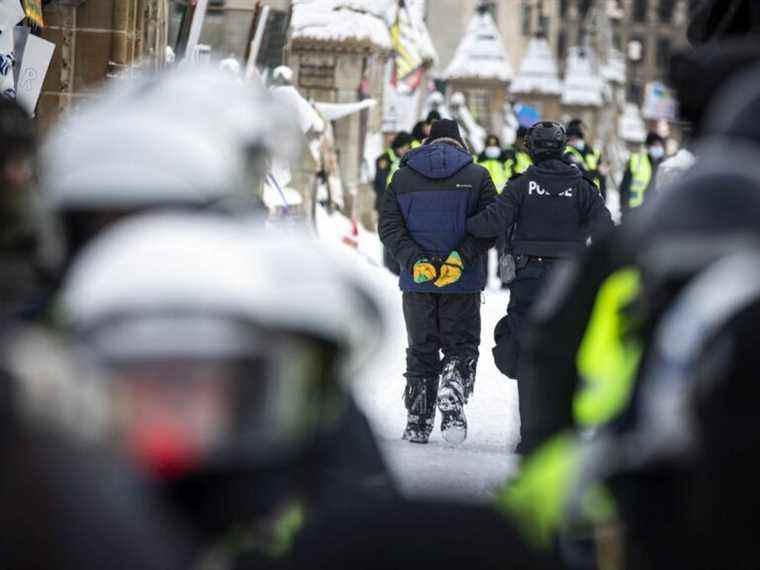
column 22, row 243
column 229, row 374
column 638, row 278
column 182, row 139
column 65, row 501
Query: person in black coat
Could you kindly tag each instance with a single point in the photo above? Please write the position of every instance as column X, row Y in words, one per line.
column 422, row 226
column 554, row 210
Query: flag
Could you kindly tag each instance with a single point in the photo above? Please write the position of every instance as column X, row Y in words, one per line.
column 408, row 63
column 33, row 10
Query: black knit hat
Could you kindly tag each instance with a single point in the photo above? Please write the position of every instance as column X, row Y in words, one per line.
column 654, row 138
column 445, row 129
column 401, row 139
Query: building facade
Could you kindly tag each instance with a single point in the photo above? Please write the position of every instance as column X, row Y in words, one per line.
column 645, row 31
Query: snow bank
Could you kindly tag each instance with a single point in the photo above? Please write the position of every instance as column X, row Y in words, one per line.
column 481, row 53
column 342, row 20
column 538, row 71
column 582, row 86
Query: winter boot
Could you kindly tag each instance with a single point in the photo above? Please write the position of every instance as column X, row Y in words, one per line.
column 451, row 401
column 419, row 398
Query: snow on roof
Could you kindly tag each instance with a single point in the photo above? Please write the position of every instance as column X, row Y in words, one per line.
column 342, row 20
column 582, row 85
column 538, row 70
column 614, row 69
column 481, row 53
column 632, row 127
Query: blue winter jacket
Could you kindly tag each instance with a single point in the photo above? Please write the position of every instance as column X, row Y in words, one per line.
column 425, row 212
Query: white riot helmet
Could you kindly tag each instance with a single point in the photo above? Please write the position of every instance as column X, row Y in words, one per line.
column 223, row 343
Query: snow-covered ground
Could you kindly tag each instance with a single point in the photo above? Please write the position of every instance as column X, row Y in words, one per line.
column 485, row 460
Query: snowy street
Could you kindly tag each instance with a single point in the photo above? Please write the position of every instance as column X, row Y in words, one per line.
column 472, row 470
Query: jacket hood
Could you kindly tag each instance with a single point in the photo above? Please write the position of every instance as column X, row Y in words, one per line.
column 555, row 175
column 438, row 160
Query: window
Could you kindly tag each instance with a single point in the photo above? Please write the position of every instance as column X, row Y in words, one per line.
column 543, row 25
column 583, row 8
column 640, row 9
column 561, row 45
column 480, row 107
column 665, row 11
column 635, row 93
column 526, row 19
column 663, row 53
column 562, row 8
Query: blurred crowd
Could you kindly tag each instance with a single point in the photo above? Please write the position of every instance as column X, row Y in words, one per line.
column 176, row 373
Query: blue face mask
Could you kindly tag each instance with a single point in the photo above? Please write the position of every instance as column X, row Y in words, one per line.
column 580, row 144
column 493, row 152
column 656, row 152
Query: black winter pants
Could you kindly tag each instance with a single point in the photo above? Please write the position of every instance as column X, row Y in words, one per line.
column 524, row 291
column 440, row 323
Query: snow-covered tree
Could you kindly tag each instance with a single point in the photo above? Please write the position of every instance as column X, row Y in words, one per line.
column 582, row 87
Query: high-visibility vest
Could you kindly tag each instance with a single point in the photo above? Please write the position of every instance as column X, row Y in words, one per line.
column 641, row 177
column 517, row 165
column 590, row 160
column 522, row 162
column 416, row 144
column 395, row 165
column 498, row 171
column 608, row 360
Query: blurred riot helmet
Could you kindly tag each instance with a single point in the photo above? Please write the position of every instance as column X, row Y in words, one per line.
column 219, row 360
column 546, row 140
column 735, row 111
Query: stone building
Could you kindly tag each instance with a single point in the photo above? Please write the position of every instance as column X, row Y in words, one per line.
column 481, row 70
column 339, row 54
column 96, row 39
column 646, row 31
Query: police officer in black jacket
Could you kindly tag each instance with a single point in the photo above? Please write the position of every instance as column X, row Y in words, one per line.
column 554, row 209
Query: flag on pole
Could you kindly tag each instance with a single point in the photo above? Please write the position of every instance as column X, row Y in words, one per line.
column 408, row 67
column 33, row 10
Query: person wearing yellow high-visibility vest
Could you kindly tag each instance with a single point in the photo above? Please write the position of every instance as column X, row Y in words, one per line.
column 584, row 156
column 386, row 166
column 493, row 160
column 640, row 174
column 518, row 160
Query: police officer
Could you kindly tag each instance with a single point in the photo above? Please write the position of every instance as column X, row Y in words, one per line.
column 584, row 156
column 518, row 159
column 554, row 209
column 493, row 158
column 641, row 173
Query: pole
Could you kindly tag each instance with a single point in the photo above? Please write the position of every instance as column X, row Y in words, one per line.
column 250, row 68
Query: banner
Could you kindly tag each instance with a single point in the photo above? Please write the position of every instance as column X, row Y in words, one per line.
column 34, row 65
column 659, row 103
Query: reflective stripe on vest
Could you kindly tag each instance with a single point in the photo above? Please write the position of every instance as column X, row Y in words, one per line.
column 608, row 357
column 641, row 176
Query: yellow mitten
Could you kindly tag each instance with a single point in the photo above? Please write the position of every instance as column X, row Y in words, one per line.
column 424, row 271
column 451, row 270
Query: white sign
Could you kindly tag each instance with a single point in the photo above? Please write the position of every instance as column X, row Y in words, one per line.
column 34, row 65
column 13, row 11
